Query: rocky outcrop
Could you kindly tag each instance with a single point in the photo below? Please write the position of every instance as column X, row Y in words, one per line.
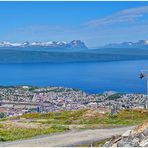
column 137, row 137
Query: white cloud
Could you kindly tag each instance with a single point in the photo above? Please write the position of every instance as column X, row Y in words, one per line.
column 127, row 15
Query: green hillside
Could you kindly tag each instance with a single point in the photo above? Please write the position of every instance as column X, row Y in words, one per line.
column 29, row 125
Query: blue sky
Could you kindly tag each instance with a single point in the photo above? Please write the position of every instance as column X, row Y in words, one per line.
column 95, row 23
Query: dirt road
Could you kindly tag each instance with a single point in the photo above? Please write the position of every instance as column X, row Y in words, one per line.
column 71, row 138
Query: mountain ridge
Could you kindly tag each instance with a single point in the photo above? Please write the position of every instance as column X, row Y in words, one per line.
column 138, row 44
column 75, row 44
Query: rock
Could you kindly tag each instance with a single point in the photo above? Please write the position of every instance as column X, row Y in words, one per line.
column 114, row 145
column 126, row 134
column 130, row 138
column 144, row 143
column 138, row 137
column 135, row 140
column 120, row 143
column 107, row 144
column 127, row 145
column 141, row 137
column 145, row 132
column 125, row 139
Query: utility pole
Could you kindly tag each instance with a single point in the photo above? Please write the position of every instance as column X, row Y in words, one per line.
column 144, row 73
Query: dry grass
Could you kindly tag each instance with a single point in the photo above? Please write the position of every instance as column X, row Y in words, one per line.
column 89, row 114
column 30, row 125
column 140, row 128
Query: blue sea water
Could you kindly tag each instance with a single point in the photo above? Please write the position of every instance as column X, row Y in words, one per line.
column 121, row 76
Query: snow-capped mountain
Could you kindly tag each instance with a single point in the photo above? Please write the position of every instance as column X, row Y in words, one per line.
column 75, row 44
column 8, row 44
column 139, row 44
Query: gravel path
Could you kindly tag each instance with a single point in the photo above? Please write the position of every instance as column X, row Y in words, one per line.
column 71, row 138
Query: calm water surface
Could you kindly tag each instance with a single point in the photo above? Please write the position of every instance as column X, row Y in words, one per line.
column 119, row 76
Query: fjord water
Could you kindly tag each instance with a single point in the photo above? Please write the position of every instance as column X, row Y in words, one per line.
column 121, row 76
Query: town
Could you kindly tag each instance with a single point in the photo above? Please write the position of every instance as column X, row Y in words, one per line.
column 18, row 100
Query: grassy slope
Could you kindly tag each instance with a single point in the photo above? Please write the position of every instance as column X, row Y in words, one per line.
column 30, row 125
column 124, row 117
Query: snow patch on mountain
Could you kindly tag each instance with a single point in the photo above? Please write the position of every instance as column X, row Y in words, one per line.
column 50, row 44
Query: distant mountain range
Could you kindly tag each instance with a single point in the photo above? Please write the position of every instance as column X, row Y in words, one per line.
column 75, row 51
column 75, row 44
column 139, row 44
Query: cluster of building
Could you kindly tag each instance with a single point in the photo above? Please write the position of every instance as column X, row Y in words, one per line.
column 23, row 99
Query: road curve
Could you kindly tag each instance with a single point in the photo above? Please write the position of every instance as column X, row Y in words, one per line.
column 71, row 138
